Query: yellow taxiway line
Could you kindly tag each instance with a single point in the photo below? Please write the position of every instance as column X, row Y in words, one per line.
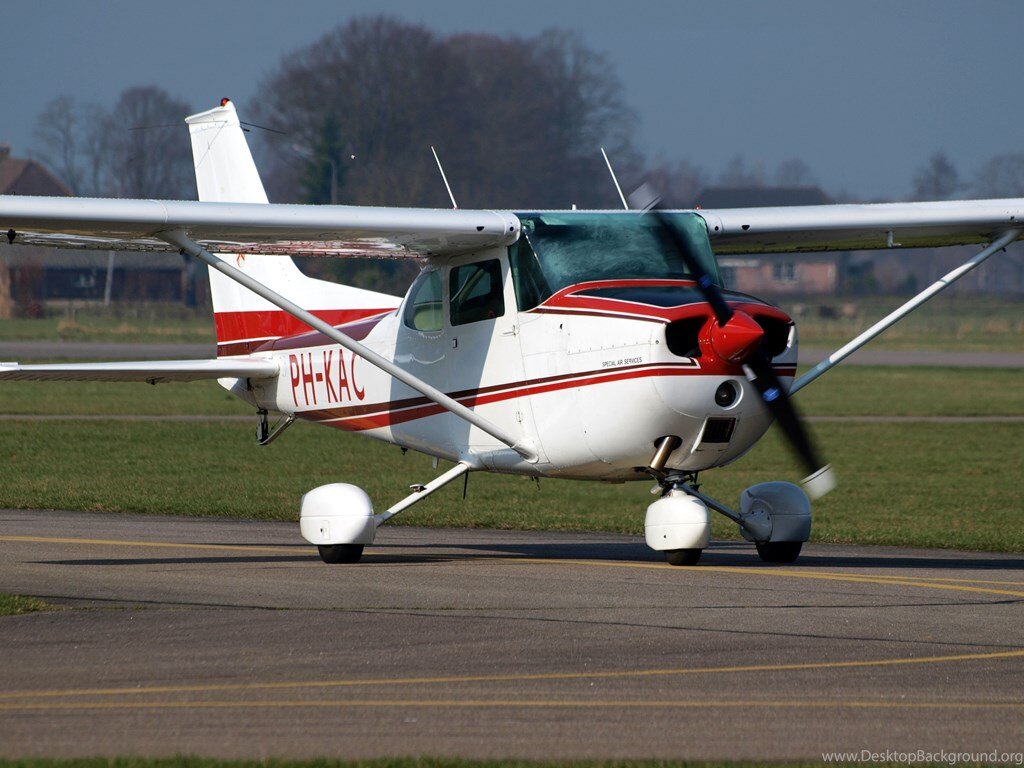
column 515, row 704
column 152, row 544
column 905, row 581
column 22, row 700
column 925, row 582
column 524, row 677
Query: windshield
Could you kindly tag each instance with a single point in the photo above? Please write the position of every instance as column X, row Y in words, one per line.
column 557, row 250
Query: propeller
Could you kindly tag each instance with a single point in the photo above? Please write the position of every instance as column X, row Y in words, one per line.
column 736, row 337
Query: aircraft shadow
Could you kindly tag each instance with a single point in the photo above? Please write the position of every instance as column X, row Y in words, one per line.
column 720, row 553
column 717, row 554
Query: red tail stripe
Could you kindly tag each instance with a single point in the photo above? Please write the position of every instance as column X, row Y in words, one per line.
column 272, row 324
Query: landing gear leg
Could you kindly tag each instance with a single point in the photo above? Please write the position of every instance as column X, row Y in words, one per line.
column 339, row 517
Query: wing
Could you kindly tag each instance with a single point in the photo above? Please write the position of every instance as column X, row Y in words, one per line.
column 295, row 230
column 860, row 227
column 310, row 230
column 151, row 371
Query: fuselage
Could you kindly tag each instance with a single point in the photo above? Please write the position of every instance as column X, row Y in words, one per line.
column 592, row 373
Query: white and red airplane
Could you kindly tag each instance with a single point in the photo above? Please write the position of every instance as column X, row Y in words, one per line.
column 591, row 345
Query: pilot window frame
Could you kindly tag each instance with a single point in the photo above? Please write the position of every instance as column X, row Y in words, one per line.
column 429, row 280
column 465, row 306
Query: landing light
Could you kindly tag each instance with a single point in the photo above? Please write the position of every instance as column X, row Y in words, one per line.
column 725, row 395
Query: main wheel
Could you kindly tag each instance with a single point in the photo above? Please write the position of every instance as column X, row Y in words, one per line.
column 341, row 553
column 683, row 556
column 780, row 551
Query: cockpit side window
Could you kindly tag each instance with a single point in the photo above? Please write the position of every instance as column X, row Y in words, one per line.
column 476, row 292
column 527, row 277
column 423, row 308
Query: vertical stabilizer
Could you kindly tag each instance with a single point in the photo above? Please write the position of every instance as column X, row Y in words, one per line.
column 226, row 173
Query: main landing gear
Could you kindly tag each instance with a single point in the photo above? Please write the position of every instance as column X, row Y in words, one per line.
column 775, row 516
column 339, row 517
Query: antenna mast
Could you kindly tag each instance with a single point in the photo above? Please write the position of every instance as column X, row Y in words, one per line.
column 444, row 178
column 618, row 189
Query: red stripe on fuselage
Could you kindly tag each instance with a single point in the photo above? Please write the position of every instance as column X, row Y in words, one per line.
column 373, row 416
column 577, row 300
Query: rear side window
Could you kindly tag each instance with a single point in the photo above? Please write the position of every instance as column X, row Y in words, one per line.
column 476, row 292
column 423, row 309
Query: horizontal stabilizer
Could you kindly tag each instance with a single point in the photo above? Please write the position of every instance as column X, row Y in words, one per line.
column 150, row 371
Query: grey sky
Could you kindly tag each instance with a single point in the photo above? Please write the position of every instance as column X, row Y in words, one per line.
column 862, row 91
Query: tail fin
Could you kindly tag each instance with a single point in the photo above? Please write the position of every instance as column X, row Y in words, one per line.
column 225, row 172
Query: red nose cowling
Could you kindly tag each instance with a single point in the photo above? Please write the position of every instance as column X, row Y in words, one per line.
column 737, row 339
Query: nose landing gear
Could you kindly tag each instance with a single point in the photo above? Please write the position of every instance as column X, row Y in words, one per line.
column 775, row 516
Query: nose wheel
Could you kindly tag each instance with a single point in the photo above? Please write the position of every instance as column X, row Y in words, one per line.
column 683, row 556
column 340, row 553
column 779, row 551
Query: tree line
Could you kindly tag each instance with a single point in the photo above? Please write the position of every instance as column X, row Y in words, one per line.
column 350, row 118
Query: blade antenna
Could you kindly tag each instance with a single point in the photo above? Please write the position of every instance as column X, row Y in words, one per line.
column 615, row 181
column 444, row 178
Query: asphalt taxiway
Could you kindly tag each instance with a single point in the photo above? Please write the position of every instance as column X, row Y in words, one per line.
column 229, row 638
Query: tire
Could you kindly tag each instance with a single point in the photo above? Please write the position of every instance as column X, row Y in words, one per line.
column 683, row 556
column 341, row 553
column 780, row 551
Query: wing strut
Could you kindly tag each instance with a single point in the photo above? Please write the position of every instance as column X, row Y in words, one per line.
column 183, row 242
column 943, row 282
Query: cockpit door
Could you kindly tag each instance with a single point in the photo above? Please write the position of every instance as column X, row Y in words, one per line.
column 486, row 363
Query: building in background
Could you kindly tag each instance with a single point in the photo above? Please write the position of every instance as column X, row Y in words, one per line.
column 850, row 273
column 786, row 274
column 33, row 277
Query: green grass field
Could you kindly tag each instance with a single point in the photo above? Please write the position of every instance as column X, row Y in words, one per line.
column 15, row 605
column 975, row 323
column 129, row 323
column 422, row 762
column 902, row 483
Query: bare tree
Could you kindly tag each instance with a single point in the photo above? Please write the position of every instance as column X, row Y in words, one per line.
column 57, row 138
column 148, row 153
column 794, row 173
column 938, row 180
column 678, row 184
column 138, row 149
column 739, row 173
column 1002, row 176
column 517, row 121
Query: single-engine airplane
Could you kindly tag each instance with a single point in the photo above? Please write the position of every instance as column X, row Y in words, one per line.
column 591, row 345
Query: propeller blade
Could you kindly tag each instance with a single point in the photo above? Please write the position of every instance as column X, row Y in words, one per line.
column 710, row 292
column 820, row 479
